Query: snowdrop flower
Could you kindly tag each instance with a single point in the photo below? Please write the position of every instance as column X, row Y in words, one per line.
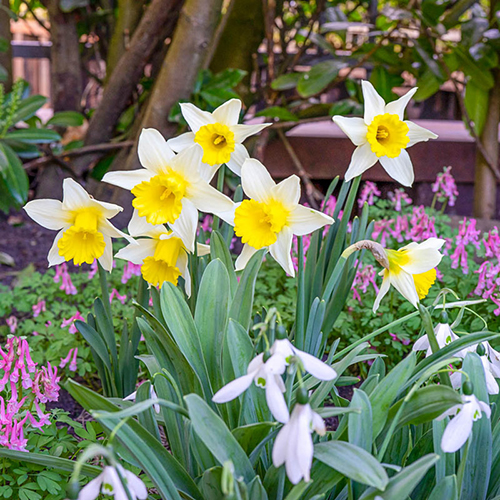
column 266, row 373
column 460, row 426
column 294, row 445
column 410, row 270
column 219, row 134
column 271, row 216
column 169, row 189
column 152, row 395
column 383, row 135
column 161, row 253
column 444, row 336
column 84, row 229
column 108, row 483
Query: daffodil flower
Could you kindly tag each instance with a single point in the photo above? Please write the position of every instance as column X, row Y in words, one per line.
column 444, row 336
column 383, row 135
column 219, row 134
column 169, row 187
column 108, row 483
column 84, row 229
column 459, row 428
column 266, row 374
column 161, row 253
column 294, row 445
column 271, row 216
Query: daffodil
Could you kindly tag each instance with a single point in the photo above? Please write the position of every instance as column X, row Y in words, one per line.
column 219, row 134
column 84, row 229
column 410, row 270
column 161, row 253
column 169, row 186
column 271, row 216
column 294, row 445
column 109, row 483
column 383, row 135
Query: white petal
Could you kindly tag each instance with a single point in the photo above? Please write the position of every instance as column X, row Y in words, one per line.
column 315, row 367
column 108, row 210
column 374, row 104
column 202, row 249
column 139, row 226
column 485, row 408
column 242, row 132
column 422, row 344
column 362, row 159
column 195, row 117
column 244, row 257
column 491, row 383
column 54, row 257
column 282, row 250
column 185, row 225
column 136, row 486
column 233, row 389
column 305, row 220
column 106, row 259
column 418, row 134
column 74, row 196
column 400, row 168
column 256, row 181
column 318, row 424
column 457, row 431
column 207, row 171
column 256, row 364
column 421, row 261
column 154, row 153
column 188, row 162
column 404, row 284
column 433, row 243
column 384, row 288
column 281, row 445
column 304, row 444
column 207, row 199
column 136, row 253
column 276, row 401
column 106, row 228
column 238, row 157
column 127, row 179
column 398, row 106
column 182, row 264
column 48, row 213
column 92, row 489
column 354, row 128
column 228, row 113
column 181, row 142
column 456, row 382
column 288, row 191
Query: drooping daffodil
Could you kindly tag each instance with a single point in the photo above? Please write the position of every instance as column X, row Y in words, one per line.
column 161, row 253
column 464, row 415
column 108, row 483
column 410, row 270
column 271, row 216
column 383, row 135
column 84, row 229
column 170, row 187
column 219, row 134
column 294, row 445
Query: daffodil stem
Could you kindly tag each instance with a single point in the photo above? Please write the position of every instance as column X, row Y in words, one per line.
column 299, row 320
column 220, row 187
column 429, row 329
column 103, row 281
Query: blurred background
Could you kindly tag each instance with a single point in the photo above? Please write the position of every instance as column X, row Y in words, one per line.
column 81, row 78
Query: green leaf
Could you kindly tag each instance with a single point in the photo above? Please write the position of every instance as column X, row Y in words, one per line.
column 278, row 112
column 428, row 84
column 212, row 308
column 286, row 82
column 360, row 423
column 219, row 250
column 28, row 107
column 476, row 102
column 446, row 489
column 69, row 5
column 66, row 119
column 403, row 483
column 353, row 462
column 34, row 135
column 13, row 179
column 318, row 77
column 249, row 436
column 217, row 437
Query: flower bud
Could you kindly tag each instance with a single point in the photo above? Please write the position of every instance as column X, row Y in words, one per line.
column 302, row 396
column 468, row 388
column 480, row 350
column 267, row 355
column 281, row 332
column 443, row 317
column 72, row 490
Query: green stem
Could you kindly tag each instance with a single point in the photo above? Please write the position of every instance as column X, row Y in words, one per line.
column 299, row 325
column 350, row 494
column 220, row 187
column 103, row 281
column 433, row 204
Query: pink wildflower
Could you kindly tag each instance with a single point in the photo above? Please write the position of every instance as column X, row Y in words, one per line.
column 445, row 187
column 46, row 384
column 400, row 227
column 368, row 193
column 115, row 293
column 492, row 243
column 382, row 228
column 93, row 269
column 71, row 322
column 71, row 359
column 38, row 308
column 329, row 206
column 130, row 270
column 467, row 234
column 398, row 197
column 12, row 323
column 63, row 276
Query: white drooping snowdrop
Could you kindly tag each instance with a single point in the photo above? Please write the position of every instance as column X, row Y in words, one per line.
column 383, row 135
column 108, row 483
column 459, row 428
column 444, row 336
column 219, row 134
column 294, row 445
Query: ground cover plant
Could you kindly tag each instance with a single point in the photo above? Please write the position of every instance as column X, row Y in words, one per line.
column 203, row 396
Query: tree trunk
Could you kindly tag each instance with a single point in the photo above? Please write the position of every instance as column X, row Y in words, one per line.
column 6, row 57
column 66, row 73
column 242, row 35
column 186, row 56
column 485, row 183
column 129, row 15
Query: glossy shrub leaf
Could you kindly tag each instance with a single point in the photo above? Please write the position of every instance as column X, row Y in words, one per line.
column 286, row 82
column 13, row 179
column 217, row 437
column 278, row 112
column 34, row 135
column 28, row 107
column 66, row 119
column 403, row 483
column 318, row 77
column 476, row 101
column 353, row 462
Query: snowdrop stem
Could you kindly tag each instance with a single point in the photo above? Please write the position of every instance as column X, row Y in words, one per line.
column 429, row 329
column 455, row 370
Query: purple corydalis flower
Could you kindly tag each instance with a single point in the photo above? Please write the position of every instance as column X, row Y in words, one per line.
column 12, row 323
column 38, row 308
column 398, row 197
column 63, row 276
column 71, row 359
column 71, row 322
column 368, row 193
column 445, row 187
column 116, row 294
column 130, row 270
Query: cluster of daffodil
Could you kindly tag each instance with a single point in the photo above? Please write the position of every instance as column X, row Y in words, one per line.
column 174, row 186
